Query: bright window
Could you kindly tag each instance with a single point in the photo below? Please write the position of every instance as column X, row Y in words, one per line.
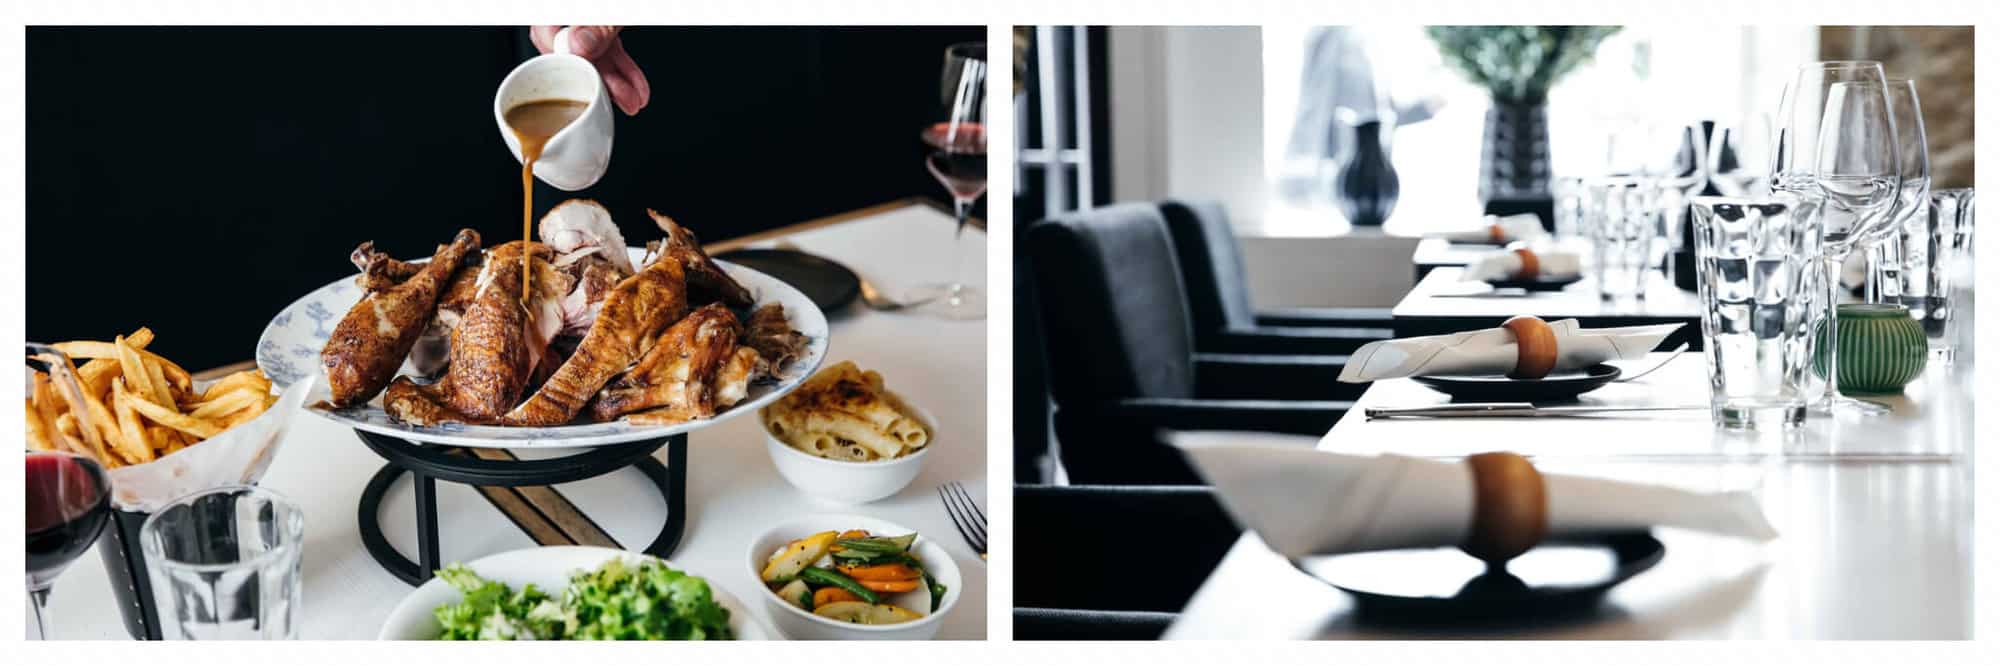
column 1640, row 75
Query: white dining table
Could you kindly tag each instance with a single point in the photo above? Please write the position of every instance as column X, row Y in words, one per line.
column 733, row 492
column 1874, row 519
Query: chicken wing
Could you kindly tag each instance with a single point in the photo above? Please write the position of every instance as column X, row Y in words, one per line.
column 677, row 377
column 376, row 334
column 707, row 282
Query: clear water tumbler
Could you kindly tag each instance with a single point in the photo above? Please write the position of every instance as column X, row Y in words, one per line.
column 1754, row 262
column 1922, row 261
column 1620, row 215
column 225, row 565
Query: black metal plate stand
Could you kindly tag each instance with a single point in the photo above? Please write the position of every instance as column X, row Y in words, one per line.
column 427, row 464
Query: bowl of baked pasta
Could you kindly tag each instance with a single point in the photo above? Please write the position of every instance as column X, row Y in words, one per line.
column 843, row 437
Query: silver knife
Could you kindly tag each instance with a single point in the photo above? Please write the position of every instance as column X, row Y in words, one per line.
column 1474, row 409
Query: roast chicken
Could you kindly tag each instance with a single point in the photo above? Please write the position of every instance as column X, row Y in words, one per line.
column 597, row 337
column 372, row 340
column 498, row 345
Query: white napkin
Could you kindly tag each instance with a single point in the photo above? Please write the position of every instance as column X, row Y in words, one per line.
column 1302, row 501
column 239, row 455
column 1517, row 227
column 1503, row 264
column 1491, row 351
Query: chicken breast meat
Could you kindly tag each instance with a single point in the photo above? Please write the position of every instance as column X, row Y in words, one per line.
column 632, row 315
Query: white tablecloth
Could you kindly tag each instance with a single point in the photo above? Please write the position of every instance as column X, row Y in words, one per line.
column 733, row 494
column 1874, row 519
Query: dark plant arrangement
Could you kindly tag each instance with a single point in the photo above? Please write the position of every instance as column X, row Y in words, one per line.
column 1518, row 64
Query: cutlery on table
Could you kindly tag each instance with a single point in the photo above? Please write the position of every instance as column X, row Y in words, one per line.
column 1477, row 409
column 1677, row 354
column 965, row 514
column 870, row 294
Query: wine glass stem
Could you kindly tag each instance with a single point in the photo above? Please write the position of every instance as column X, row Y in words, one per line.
column 44, row 630
column 1834, row 260
column 962, row 209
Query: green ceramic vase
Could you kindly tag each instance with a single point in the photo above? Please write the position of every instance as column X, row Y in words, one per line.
column 1881, row 348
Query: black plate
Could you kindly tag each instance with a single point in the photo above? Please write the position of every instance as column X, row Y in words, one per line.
column 1497, row 388
column 1537, row 284
column 1446, row 586
column 830, row 285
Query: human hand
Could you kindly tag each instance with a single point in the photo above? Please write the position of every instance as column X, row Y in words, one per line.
column 600, row 45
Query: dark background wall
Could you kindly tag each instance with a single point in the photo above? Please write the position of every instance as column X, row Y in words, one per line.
column 196, row 180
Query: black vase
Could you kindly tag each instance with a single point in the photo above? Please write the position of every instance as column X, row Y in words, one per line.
column 1514, row 162
column 1366, row 187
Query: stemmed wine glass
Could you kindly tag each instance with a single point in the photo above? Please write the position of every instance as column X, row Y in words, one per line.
column 1914, row 162
column 957, row 158
column 1739, row 157
column 69, row 495
column 1838, row 144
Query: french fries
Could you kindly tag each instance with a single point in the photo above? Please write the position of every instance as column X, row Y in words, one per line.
column 136, row 406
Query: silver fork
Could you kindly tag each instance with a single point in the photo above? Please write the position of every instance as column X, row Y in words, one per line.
column 965, row 514
column 1677, row 354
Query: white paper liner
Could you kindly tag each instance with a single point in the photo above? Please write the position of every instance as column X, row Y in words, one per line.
column 1492, row 351
column 239, row 455
column 1303, row 501
column 1516, row 227
column 1503, row 264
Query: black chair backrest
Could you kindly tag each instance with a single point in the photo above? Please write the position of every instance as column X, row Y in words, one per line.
column 1031, row 380
column 1218, row 288
column 1113, row 308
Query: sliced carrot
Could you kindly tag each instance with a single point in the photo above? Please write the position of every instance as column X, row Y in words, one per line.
column 891, row 586
column 827, row 595
column 850, row 534
column 891, row 571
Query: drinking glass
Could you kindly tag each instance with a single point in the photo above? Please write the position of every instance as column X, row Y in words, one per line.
column 1914, row 164
column 68, row 492
column 1919, row 264
column 1739, row 157
column 1678, row 165
column 225, row 564
column 1621, row 221
column 1568, row 192
column 1837, row 143
column 1753, row 262
column 957, row 158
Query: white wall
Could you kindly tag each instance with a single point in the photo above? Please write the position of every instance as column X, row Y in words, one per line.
column 1187, row 121
column 1187, row 108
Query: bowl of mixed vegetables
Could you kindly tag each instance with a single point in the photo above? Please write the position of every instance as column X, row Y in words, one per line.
column 570, row 593
column 841, row 577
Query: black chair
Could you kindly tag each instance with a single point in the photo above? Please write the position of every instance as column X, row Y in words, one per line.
column 1121, row 357
column 1112, row 562
column 1218, row 295
column 1032, row 425
column 1064, row 624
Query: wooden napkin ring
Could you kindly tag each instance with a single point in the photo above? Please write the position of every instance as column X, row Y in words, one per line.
column 1535, row 347
column 1531, row 265
column 1496, row 233
column 1510, row 511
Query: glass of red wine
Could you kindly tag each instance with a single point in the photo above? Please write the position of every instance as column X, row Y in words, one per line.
column 69, row 495
column 956, row 156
